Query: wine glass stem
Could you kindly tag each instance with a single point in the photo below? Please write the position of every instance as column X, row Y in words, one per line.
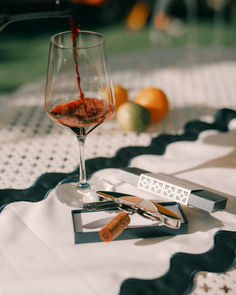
column 83, row 184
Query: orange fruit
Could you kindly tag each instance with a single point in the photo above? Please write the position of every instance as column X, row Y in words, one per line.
column 154, row 100
column 120, row 94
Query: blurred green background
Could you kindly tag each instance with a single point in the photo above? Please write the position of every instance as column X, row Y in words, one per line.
column 128, row 26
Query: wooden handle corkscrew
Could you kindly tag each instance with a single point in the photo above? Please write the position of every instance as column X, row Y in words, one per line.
column 114, row 227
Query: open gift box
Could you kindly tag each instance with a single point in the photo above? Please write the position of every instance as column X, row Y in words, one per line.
column 87, row 224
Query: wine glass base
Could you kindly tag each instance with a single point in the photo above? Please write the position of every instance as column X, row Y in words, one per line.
column 73, row 195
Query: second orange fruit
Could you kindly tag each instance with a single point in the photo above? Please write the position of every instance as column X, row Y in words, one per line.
column 121, row 95
column 155, row 100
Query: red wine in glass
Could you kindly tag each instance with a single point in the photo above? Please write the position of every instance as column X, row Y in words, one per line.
column 82, row 115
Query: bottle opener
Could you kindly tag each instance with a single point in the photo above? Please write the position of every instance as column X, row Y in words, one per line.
column 129, row 205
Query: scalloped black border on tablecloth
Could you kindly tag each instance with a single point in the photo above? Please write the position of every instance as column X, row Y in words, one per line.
column 183, row 266
column 178, row 280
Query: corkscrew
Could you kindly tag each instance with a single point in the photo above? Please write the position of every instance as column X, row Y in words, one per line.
column 129, row 204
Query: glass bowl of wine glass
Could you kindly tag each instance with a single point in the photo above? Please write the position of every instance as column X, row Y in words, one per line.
column 75, row 98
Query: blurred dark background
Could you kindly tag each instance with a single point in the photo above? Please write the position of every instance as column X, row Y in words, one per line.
column 128, row 26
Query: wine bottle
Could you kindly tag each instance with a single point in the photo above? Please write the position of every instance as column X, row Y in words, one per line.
column 18, row 10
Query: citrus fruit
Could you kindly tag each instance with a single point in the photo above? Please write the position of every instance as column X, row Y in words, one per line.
column 120, row 94
column 154, row 100
column 133, row 117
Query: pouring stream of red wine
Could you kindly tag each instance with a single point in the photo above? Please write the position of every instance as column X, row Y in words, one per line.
column 74, row 27
column 75, row 32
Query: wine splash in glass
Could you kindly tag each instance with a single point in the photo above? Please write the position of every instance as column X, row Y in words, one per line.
column 79, row 95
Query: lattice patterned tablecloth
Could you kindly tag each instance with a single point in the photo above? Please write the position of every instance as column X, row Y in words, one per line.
column 215, row 284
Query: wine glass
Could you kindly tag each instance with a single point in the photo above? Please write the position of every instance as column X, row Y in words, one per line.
column 79, row 95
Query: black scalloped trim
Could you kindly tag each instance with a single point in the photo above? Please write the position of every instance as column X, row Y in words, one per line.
column 183, row 266
column 48, row 181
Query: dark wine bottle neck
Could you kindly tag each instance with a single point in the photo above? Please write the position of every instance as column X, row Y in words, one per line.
column 18, row 10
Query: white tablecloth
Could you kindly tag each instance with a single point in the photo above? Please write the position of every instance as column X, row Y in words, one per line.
column 38, row 254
